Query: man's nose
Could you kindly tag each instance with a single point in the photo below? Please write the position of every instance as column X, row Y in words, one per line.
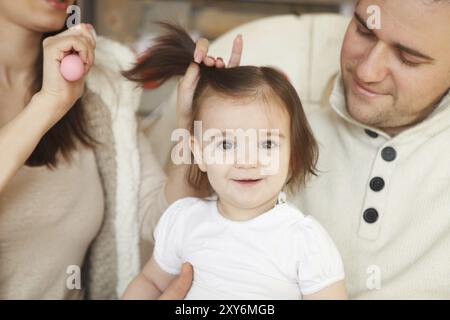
column 374, row 67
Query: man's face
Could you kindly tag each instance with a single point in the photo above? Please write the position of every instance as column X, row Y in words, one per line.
column 394, row 76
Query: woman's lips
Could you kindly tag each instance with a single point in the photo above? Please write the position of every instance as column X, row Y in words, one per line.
column 58, row 4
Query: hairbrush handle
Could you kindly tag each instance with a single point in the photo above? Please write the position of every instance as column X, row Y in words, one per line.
column 72, row 67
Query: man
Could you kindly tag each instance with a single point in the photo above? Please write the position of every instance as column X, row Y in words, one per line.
column 383, row 192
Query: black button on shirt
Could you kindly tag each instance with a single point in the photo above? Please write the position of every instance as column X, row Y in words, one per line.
column 389, row 154
column 377, row 184
column 371, row 133
column 370, row 215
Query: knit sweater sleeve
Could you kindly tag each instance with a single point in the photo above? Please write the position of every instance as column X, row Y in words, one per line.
column 152, row 199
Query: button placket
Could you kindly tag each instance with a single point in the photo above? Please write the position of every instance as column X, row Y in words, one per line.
column 371, row 215
column 377, row 184
column 389, row 154
column 371, row 133
column 375, row 203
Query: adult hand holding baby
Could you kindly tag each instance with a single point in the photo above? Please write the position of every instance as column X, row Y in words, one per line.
column 179, row 288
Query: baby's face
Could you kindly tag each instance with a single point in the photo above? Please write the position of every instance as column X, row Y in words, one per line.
column 246, row 150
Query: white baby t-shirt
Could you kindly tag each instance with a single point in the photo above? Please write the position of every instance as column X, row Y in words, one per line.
column 280, row 254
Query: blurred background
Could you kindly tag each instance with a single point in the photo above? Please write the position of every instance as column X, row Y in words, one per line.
column 131, row 22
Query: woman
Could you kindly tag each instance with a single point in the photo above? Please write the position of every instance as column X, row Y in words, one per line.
column 90, row 187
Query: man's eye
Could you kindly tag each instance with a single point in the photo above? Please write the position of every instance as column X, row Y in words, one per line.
column 364, row 32
column 269, row 144
column 407, row 62
column 226, row 145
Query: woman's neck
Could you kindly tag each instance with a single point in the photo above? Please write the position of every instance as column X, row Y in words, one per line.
column 20, row 50
column 236, row 213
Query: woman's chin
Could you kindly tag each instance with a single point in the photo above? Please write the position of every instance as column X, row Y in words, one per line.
column 49, row 24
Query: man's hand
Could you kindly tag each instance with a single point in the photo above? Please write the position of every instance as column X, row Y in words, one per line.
column 187, row 84
column 179, row 288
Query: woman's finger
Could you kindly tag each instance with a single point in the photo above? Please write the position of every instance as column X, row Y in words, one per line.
column 236, row 52
column 78, row 39
column 84, row 30
column 63, row 46
column 88, row 31
column 91, row 59
column 83, row 48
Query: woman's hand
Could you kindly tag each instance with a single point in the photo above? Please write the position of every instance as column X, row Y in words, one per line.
column 179, row 288
column 187, row 84
column 56, row 91
column 50, row 104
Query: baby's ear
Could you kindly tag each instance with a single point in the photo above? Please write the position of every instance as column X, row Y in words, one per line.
column 197, row 152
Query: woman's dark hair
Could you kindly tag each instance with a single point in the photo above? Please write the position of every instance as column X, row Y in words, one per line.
column 172, row 53
column 62, row 138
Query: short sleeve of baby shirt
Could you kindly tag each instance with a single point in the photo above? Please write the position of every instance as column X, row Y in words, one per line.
column 169, row 236
column 320, row 264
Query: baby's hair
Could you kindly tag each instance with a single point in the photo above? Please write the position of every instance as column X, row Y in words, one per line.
column 172, row 53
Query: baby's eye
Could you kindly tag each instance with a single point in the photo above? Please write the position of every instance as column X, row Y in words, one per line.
column 226, row 145
column 269, row 144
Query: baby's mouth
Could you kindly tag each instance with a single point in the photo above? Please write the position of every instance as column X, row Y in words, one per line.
column 247, row 182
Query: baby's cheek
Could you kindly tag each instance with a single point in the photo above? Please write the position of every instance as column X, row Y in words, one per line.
column 217, row 175
column 284, row 159
column 274, row 162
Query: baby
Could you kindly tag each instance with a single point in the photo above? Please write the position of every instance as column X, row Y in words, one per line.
column 245, row 241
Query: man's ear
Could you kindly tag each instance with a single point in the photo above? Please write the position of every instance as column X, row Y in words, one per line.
column 197, row 153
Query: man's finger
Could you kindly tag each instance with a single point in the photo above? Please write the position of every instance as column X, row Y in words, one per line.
column 210, row 61
column 201, row 50
column 189, row 80
column 179, row 288
column 220, row 63
column 236, row 52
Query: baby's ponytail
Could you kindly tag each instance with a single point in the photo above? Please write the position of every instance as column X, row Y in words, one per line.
column 169, row 56
column 172, row 53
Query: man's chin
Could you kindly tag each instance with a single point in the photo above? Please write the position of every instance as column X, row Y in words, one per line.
column 362, row 112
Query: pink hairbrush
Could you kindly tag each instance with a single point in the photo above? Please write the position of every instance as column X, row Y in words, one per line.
column 72, row 67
